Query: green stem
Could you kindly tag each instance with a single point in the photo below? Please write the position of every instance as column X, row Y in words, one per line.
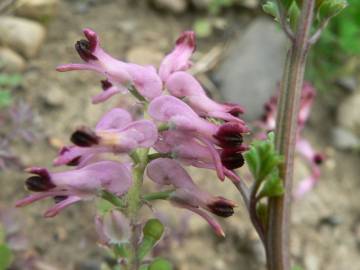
column 162, row 195
column 134, row 204
column 277, row 240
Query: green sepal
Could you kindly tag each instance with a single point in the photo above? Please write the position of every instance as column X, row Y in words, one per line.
column 160, row 264
column 6, row 257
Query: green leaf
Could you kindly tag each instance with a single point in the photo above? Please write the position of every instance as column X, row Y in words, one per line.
column 10, row 80
column 203, row 28
column 287, row 3
column 330, row 8
column 271, row 8
column 5, row 98
column 2, row 234
column 294, row 14
column 6, row 257
column 262, row 158
column 273, row 187
column 160, row 264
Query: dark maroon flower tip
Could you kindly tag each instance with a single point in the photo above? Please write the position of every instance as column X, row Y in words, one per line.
column 58, row 199
column 188, row 37
column 63, row 150
column 105, row 84
column 230, row 134
column 318, row 159
column 84, row 50
column 84, row 137
column 222, row 207
column 74, row 162
column 92, row 37
column 38, row 183
column 232, row 158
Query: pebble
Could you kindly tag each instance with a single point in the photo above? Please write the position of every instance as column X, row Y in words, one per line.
column 251, row 70
column 343, row 139
column 174, row 6
column 349, row 112
column 11, row 61
column 41, row 10
column 22, row 35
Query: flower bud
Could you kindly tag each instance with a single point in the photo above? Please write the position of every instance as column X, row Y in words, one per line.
column 154, row 229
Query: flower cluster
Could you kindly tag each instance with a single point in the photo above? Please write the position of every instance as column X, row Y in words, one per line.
column 183, row 127
column 303, row 147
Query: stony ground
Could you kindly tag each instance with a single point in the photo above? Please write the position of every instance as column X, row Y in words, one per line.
column 326, row 223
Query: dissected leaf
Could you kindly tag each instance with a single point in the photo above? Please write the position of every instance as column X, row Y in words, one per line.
column 6, row 257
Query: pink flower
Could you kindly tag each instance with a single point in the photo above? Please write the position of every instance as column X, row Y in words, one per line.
column 76, row 185
column 314, row 161
column 183, row 85
column 182, row 118
column 79, row 156
column 187, row 194
column 120, row 75
column 178, row 59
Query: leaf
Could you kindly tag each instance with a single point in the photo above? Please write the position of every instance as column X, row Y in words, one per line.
column 5, row 98
column 262, row 158
column 273, row 187
column 10, row 80
column 160, row 264
column 6, row 257
column 203, row 28
column 271, row 8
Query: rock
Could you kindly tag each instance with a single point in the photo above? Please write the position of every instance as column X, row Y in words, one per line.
column 144, row 56
column 201, row 4
column 253, row 67
column 174, row 6
column 344, row 139
column 22, row 35
column 41, row 10
column 249, row 3
column 10, row 61
column 348, row 113
column 349, row 84
column 54, row 96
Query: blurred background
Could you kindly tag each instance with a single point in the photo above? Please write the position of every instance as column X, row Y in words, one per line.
column 239, row 58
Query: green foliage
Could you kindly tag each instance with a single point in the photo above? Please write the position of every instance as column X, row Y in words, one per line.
column 8, row 82
column 271, row 8
column 160, row 264
column 273, row 187
column 339, row 42
column 203, row 27
column 262, row 158
column 215, row 6
column 6, row 257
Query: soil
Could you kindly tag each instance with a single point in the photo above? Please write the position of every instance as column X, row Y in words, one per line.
column 326, row 222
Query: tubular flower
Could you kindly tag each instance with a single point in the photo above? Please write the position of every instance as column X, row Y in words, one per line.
column 76, row 185
column 303, row 147
column 118, row 74
column 187, row 132
column 183, row 85
column 181, row 117
column 79, row 156
column 179, row 58
column 187, row 195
